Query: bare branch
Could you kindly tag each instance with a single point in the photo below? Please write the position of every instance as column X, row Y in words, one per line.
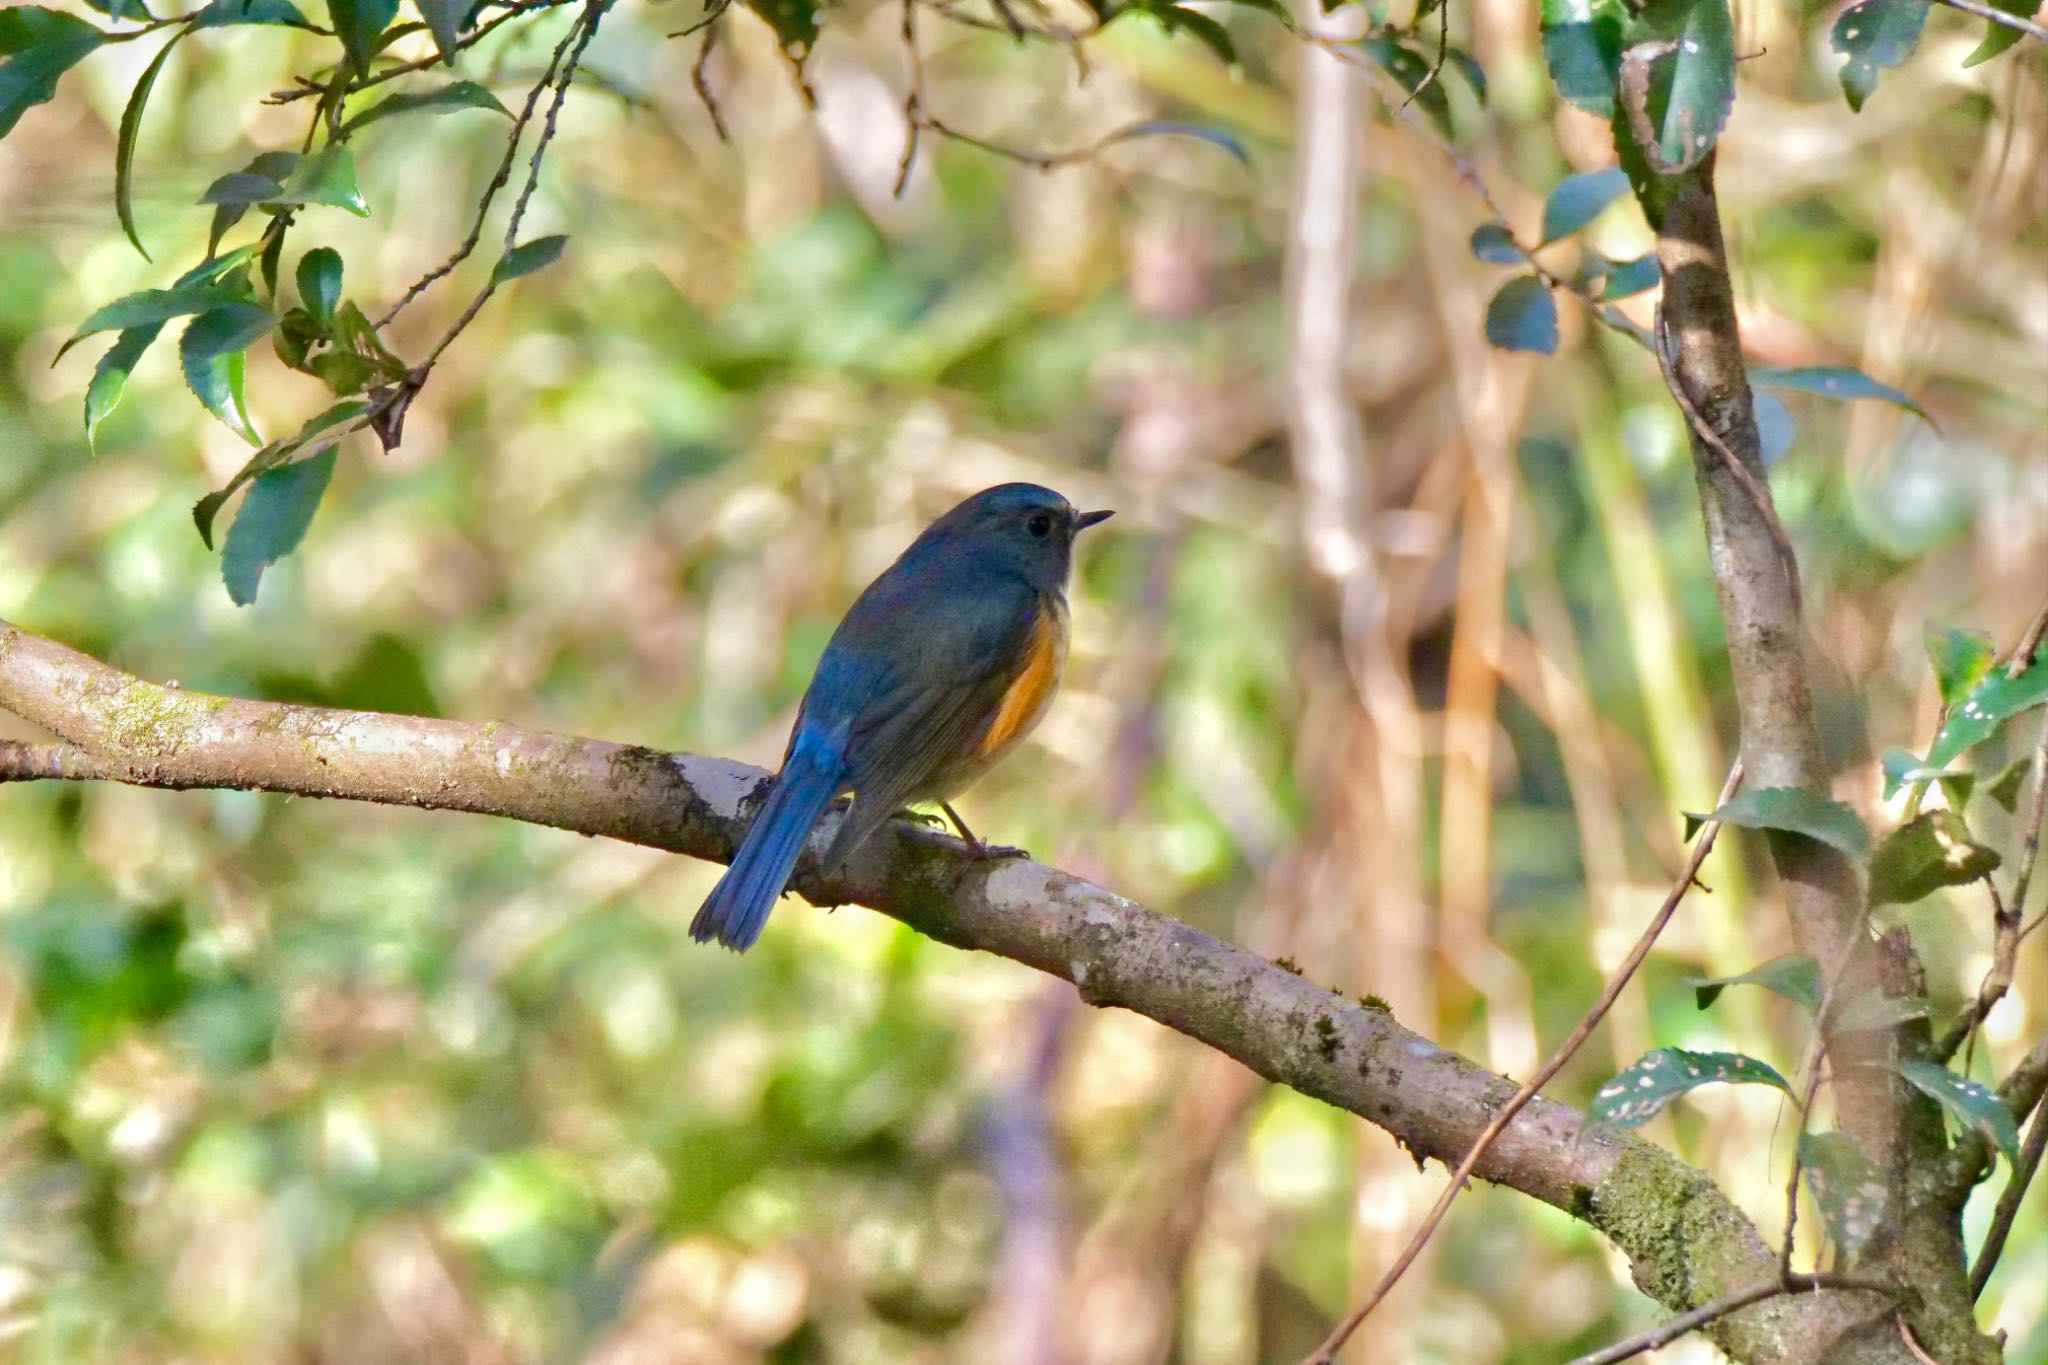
column 1326, row 1353
column 1998, row 16
column 1670, row 1330
column 1682, row 1234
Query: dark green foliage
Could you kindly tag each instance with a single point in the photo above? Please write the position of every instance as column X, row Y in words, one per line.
column 1929, row 852
column 1875, row 35
column 1641, row 1092
column 1794, row 976
column 1522, row 316
column 1970, row 1104
column 37, row 46
column 273, row 520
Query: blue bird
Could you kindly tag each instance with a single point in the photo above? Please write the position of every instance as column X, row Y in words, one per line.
column 940, row 668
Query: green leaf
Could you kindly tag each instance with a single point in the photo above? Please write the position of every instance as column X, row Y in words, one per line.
column 1582, row 48
column 211, row 353
column 1209, row 133
column 122, row 9
column 1495, row 244
column 1927, row 853
column 326, row 177
column 1658, row 1077
column 1902, row 767
column 1468, row 66
column 444, row 99
column 319, row 278
column 222, row 13
column 1691, row 83
column 272, row 522
column 1272, row 8
column 1960, row 657
column 1970, row 1104
column 1999, row 37
column 528, row 257
column 1629, row 278
column 2005, row 788
column 1794, row 811
column 1847, row 1186
column 1835, row 381
column 1410, row 69
column 1874, row 35
column 110, row 376
column 1988, row 706
column 271, row 456
column 124, row 143
column 1522, row 316
column 445, row 20
column 1578, row 200
column 360, row 24
column 38, row 45
column 152, row 305
column 1794, row 976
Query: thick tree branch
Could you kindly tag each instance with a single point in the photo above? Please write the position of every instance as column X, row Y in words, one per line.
column 1688, row 1243
column 1781, row 747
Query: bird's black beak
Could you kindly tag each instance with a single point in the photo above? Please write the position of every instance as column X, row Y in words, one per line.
column 1084, row 520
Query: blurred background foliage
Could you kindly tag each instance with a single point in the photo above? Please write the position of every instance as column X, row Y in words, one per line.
column 293, row 1081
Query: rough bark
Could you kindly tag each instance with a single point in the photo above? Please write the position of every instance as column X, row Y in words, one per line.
column 1687, row 1242
column 1781, row 747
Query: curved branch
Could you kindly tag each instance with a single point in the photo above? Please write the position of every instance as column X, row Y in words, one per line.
column 1688, row 1242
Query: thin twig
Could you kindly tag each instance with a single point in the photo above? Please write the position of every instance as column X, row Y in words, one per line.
column 2029, row 644
column 1443, row 51
column 913, row 99
column 1913, row 1342
column 1671, row 1329
column 1702, row 846
column 1998, row 16
column 2009, row 1202
column 1741, row 472
column 498, row 182
column 700, row 75
column 393, row 72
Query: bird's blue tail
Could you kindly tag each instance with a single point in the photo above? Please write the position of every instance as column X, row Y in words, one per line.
column 738, row 906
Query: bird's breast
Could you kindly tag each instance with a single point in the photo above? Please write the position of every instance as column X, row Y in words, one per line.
column 1025, row 701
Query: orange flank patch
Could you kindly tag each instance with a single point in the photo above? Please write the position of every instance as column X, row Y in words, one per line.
column 1026, row 699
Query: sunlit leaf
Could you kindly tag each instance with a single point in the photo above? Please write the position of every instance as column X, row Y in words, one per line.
column 1972, row 1105
column 1960, row 657
column 1794, row 976
column 272, row 522
column 110, row 376
column 124, row 142
column 37, row 46
column 1578, row 200
column 444, row 99
column 1989, row 705
column 326, row 177
column 1902, row 766
column 1874, row 35
column 1656, row 1078
column 1522, row 316
column 1927, row 853
column 122, row 9
column 528, row 257
column 1834, row 381
column 1793, row 811
column 1848, row 1187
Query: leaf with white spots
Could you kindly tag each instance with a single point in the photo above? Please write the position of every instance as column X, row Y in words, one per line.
column 1658, row 1077
column 1927, row 853
column 1847, row 1186
column 1989, row 705
column 1970, row 1104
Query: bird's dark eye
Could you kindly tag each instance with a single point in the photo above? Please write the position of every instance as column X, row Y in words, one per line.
column 1040, row 524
